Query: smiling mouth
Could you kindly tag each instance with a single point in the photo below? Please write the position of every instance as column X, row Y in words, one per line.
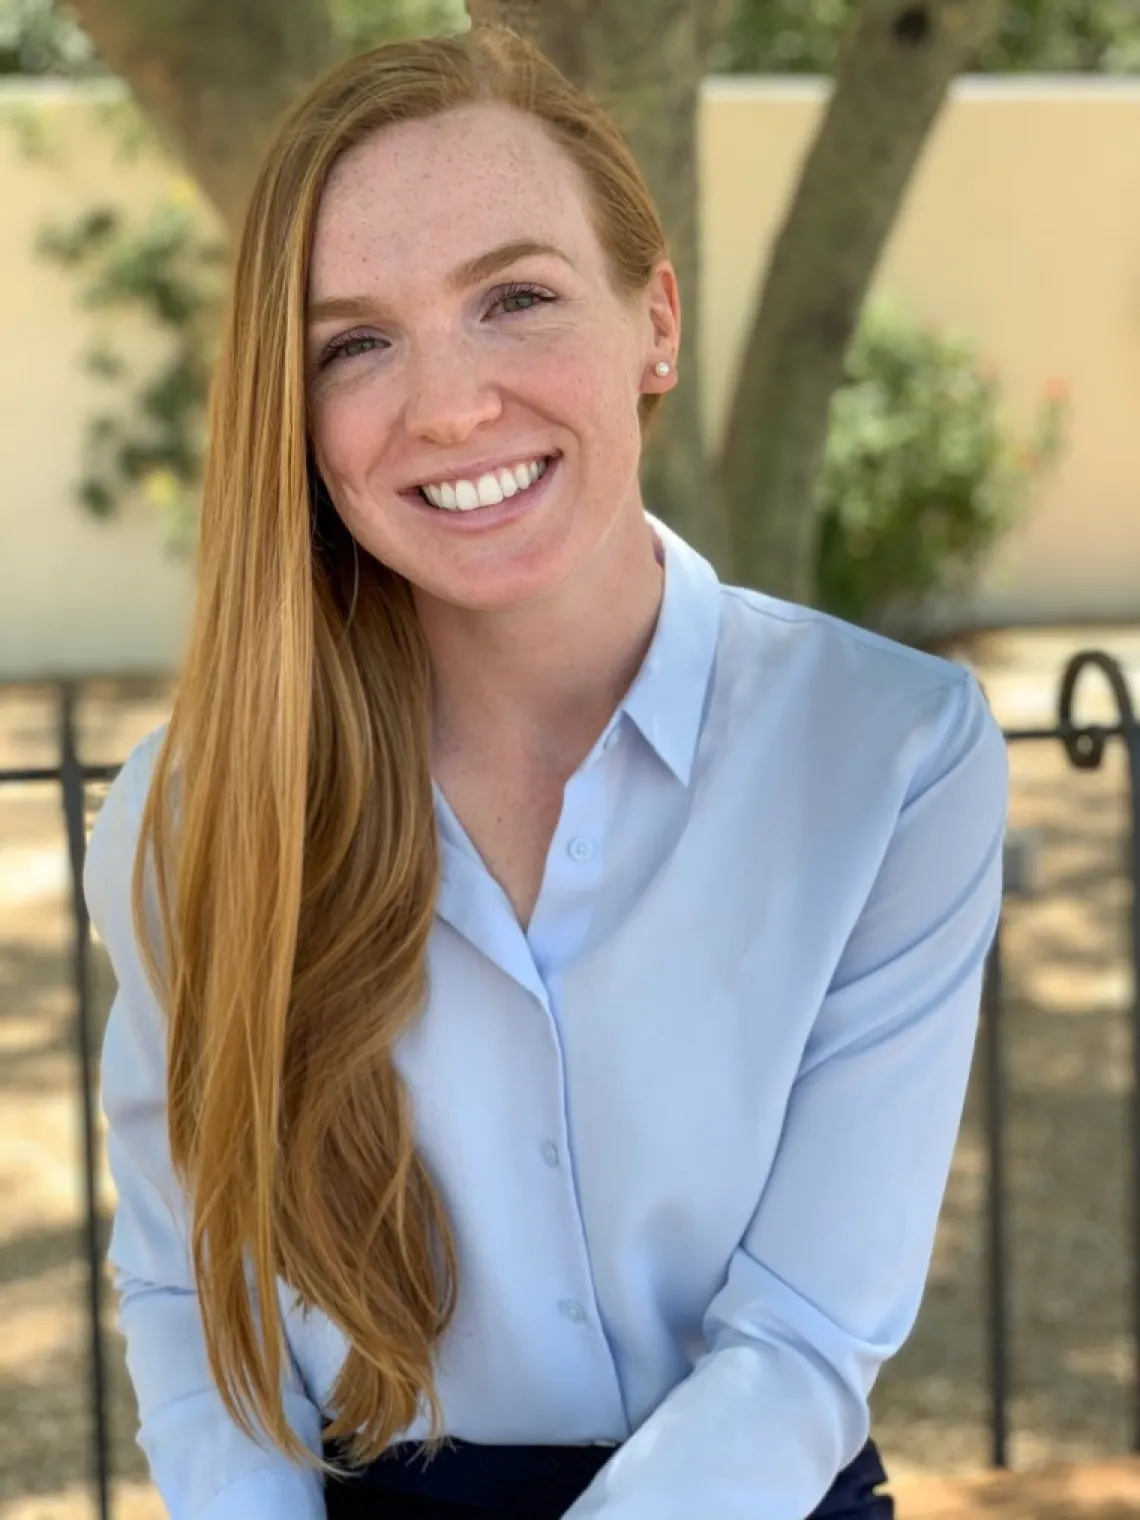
column 487, row 490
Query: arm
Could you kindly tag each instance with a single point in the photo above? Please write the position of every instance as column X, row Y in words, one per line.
column 201, row 1463
column 827, row 1281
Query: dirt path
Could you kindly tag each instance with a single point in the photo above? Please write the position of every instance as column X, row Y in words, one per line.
column 1068, row 1058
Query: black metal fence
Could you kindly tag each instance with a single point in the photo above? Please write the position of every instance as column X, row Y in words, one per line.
column 1085, row 746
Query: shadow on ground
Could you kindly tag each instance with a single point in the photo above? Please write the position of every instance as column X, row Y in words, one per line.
column 1066, row 1047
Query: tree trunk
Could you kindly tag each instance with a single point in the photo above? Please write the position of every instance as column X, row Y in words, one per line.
column 213, row 76
column 645, row 61
column 891, row 81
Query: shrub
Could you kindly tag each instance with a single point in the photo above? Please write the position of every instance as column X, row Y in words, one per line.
column 43, row 37
column 922, row 473
column 148, row 438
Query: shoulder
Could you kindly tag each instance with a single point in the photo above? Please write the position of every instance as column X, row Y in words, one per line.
column 810, row 643
column 869, row 703
column 114, row 838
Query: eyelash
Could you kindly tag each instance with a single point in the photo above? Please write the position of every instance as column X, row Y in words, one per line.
column 337, row 348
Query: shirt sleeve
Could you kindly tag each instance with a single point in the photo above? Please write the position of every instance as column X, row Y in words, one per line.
column 828, row 1279
column 203, row 1465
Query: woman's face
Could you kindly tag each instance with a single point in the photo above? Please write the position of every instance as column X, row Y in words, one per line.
column 464, row 337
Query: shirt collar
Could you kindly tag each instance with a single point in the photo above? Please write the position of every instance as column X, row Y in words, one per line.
column 667, row 699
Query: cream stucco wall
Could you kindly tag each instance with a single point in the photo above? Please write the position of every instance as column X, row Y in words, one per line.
column 76, row 596
column 1022, row 229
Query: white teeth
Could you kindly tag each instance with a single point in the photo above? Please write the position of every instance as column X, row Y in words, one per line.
column 487, row 491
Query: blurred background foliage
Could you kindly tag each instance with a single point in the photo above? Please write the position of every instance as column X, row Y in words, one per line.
column 762, row 36
column 43, row 36
column 147, row 435
column 801, row 37
column 923, row 474
column 360, row 23
column 1034, row 36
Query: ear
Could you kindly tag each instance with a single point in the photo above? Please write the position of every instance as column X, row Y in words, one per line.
column 664, row 312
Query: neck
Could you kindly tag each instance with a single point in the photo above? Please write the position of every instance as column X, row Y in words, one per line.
column 543, row 679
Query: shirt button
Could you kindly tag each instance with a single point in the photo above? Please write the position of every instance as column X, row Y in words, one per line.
column 572, row 1309
column 550, row 1153
column 580, row 849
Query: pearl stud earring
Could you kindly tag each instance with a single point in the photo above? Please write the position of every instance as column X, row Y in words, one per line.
column 662, row 367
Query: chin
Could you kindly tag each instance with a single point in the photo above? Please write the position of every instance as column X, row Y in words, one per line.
column 516, row 581
column 502, row 594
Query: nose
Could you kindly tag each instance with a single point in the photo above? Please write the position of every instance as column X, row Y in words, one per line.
column 449, row 396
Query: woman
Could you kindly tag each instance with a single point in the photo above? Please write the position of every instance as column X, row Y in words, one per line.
column 552, row 977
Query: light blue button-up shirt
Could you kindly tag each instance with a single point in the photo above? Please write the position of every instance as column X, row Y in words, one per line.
column 693, row 1125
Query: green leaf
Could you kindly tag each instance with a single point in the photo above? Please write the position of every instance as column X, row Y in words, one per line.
column 97, row 497
column 103, row 362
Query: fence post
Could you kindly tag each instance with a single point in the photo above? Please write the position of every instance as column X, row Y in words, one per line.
column 72, row 783
column 997, row 1264
column 1085, row 748
column 1132, row 742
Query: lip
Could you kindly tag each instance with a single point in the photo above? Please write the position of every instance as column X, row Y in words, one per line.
column 484, row 467
column 483, row 519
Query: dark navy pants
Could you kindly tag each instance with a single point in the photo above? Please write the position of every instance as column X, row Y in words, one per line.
column 464, row 1482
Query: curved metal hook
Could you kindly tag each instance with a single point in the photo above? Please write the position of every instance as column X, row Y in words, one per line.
column 1085, row 749
column 1085, row 745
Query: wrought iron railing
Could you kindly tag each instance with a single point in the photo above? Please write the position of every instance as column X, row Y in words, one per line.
column 1085, row 746
column 72, row 777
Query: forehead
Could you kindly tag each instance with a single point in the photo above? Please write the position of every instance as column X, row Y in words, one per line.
column 428, row 194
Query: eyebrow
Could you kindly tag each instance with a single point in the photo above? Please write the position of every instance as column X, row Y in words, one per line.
column 461, row 278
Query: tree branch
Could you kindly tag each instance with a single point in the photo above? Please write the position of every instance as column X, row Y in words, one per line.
column 213, row 76
column 713, row 17
column 522, row 16
column 891, row 82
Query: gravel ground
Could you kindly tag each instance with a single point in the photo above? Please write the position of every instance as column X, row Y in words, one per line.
column 1067, row 1050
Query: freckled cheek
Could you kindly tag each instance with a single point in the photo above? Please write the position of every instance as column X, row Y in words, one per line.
column 579, row 383
column 602, row 372
column 350, row 435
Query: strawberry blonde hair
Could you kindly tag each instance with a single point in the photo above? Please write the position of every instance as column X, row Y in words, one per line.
column 289, row 832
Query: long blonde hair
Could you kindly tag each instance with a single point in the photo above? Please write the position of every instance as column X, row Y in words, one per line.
column 289, row 832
